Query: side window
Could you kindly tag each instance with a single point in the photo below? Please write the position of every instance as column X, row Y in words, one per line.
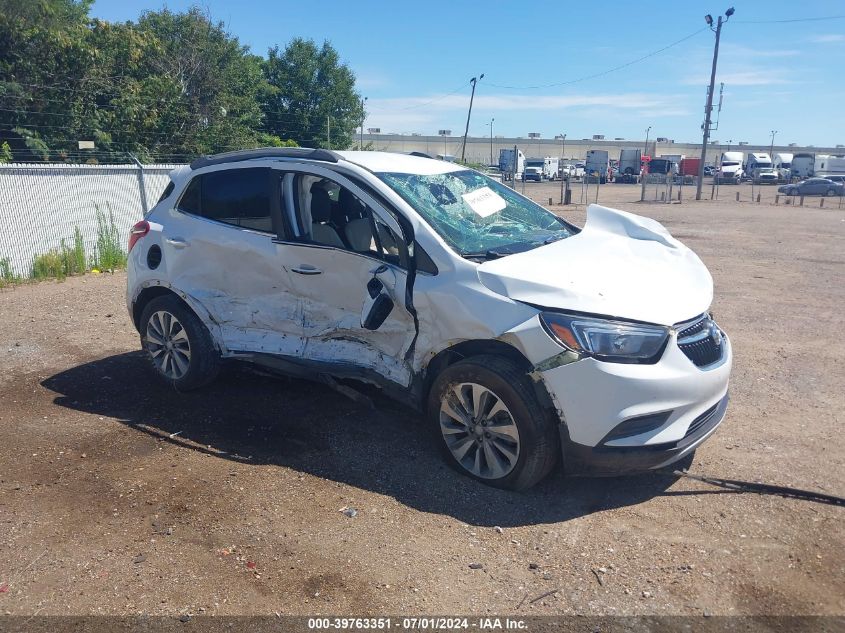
column 240, row 197
column 332, row 215
column 190, row 201
column 167, row 191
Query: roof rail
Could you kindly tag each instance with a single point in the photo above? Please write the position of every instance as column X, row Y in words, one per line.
column 266, row 152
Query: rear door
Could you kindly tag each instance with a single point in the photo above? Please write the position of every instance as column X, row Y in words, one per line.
column 330, row 263
column 219, row 246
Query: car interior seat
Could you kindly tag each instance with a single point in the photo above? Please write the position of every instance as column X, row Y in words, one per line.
column 321, row 213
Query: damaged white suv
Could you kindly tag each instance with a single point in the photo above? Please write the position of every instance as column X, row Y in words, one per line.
column 522, row 338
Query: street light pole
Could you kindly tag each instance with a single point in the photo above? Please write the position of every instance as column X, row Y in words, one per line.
column 709, row 106
column 564, row 178
column 645, row 149
column 772, row 147
column 491, row 141
column 363, row 116
column 473, row 81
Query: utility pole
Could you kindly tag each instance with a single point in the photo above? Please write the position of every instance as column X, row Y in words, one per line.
column 772, row 147
column 363, row 116
column 473, row 81
column 709, row 106
column 645, row 149
column 491, row 141
column 564, row 176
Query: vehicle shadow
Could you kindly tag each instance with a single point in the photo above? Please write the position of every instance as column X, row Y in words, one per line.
column 254, row 419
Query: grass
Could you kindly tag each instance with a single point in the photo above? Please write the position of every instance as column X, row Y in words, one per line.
column 58, row 263
column 109, row 254
column 7, row 275
column 73, row 259
column 49, row 265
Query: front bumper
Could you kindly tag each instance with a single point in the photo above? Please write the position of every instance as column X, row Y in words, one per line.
column 594, row 397
column 610, row 460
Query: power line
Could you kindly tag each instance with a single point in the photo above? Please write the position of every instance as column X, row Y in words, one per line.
column 604, row 72
column 825, row 17
column 425, row 103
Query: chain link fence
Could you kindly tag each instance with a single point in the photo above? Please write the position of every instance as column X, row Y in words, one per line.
column 43, row 204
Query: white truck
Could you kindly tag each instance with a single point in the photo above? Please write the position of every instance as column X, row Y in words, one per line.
column 506, row 164
column 783, row 166
column 803, row 165
column 759, row 168
column 730, row 167
column 541, row 168
column 828, row 165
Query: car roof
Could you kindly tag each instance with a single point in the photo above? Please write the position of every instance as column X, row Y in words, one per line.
column 390, row 162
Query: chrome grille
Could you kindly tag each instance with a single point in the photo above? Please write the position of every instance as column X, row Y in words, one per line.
column 701, row 340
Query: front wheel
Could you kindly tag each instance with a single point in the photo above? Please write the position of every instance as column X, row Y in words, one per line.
column 831, row 192
column 491, row 424
column 178, row 345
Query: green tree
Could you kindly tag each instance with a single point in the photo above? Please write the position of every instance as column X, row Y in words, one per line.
column 43, row 57
column 207, row 85
column 5, row 153
column 311, row 90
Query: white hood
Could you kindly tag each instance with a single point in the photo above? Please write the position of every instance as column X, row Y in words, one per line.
column 620, row 265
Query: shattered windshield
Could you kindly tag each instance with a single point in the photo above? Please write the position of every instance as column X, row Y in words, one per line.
column 476, row 215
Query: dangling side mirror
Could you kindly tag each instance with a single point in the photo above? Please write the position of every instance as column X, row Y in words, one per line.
column 377, row 306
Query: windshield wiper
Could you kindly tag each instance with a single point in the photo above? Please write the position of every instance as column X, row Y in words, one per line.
column 486, row 255
column 554, row 238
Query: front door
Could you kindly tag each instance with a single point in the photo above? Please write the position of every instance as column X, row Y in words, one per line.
column 340, row 239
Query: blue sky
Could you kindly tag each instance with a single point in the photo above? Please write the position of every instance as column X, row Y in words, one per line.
column 414, row 60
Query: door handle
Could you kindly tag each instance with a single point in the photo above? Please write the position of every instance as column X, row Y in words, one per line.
column 307, row 269
column 176, row 242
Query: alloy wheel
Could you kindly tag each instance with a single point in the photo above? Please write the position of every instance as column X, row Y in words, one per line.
column 479, row 430
column 168, row 344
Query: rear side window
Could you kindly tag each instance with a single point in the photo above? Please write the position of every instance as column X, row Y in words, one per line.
column 190, row 202
column 240, row 197
column 167, row 191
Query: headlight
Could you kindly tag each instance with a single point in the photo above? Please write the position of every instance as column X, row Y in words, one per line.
column 614, row 341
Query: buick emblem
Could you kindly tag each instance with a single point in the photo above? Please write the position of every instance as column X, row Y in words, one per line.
column 715, row 332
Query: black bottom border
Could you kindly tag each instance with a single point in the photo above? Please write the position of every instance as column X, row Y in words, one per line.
column 295, row 624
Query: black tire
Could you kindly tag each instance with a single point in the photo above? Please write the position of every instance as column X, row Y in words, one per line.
column 831, row 192
column 539, row 440
column 203, row 364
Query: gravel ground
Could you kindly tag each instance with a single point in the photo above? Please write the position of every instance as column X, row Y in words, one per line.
column 120, row 496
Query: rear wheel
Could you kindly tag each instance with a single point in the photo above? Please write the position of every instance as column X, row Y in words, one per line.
column 831, row 192
column 178, row 345
column 491, row 424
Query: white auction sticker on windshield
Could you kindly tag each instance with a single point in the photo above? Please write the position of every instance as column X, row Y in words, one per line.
column 484, row 201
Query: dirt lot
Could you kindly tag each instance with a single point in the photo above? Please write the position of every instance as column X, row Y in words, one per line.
column 120, row 496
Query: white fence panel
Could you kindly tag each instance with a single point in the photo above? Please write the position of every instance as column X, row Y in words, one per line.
column 42, row 204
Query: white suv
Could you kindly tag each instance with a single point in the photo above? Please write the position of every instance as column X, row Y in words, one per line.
column 522, row 338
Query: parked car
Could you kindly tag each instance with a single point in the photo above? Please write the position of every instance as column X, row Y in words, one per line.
column 814, row 187
column 533, row 173
column 523, row 339
column 766, row 176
